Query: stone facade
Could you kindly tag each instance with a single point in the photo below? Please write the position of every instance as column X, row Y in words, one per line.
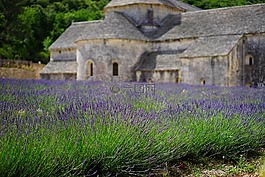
column 254, row 59
column 103, row 53
column 15, row 69
column 164, row 41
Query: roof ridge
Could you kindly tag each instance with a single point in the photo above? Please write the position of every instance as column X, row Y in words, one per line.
column 176, row 4
column 181, row 3
column 168, row 3
column 226, row 8
column 86, row 22
column 123, row 3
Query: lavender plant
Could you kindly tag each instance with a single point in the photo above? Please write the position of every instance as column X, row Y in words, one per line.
column 82, row 128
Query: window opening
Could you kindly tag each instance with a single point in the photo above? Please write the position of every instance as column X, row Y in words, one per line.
column 250, row 61
column 91, row 69
column 115, row 69
column 203, row 82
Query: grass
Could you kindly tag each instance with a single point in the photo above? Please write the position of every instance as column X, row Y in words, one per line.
column 81, row 129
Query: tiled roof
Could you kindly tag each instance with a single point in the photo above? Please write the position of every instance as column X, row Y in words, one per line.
column 182, row 5
column 224, row 21
column 67, row 39
column 116, row 26
column 170, row 3
column 211, row 46
column 60, row 67
column 157, row 61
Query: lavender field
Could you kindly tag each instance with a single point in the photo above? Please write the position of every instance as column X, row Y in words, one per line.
column 87, row 129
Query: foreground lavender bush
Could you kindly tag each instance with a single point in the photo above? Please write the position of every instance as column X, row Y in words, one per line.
column 80, row 128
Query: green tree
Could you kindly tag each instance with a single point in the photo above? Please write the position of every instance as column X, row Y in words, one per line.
column 9, row 11
column 67, row 13
column 210, row 4
column 33, row 32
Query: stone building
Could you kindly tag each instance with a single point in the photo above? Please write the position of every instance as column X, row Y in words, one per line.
column 164, row 41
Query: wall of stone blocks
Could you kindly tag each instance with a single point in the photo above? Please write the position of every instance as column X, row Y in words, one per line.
column 22, row 71
column 176, row 45
column 139, row 11
column 14, row 63
column 235, row 68
column 63, row 55
column 213, row 70
column 104, row 52
column 255, row 46
column 59, row 76
column 158, row 76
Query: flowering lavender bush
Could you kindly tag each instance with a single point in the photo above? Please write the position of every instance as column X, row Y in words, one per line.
column 82, row 128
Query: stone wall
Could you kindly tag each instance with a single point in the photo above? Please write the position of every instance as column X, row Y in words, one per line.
column 22, row 72
column 174, row 45
column 14, row 63
column 255, row 47
column 59, row 76
column 139, row 11
column 158, row 76
column 204, row 71
column 63, row 55
column 103, row 53
column 235, row 68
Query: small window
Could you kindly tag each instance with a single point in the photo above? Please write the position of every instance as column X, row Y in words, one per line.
column 115, row 69
column 91, row 69
column 203, row 82
column 149, row 79
column 150, row 16
column 178, row 80
column 249, row 60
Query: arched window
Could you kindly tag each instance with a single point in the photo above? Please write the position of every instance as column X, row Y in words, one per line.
column 115, row 67
column 249, row 60
column 178, row 80
column 149, row 79
column 203, row 82
column 89, row 69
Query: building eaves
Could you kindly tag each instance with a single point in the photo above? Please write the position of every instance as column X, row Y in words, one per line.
column 60, row 67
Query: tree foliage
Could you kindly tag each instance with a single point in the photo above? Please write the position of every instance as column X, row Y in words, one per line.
column 210, row 4
column 29, row 27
